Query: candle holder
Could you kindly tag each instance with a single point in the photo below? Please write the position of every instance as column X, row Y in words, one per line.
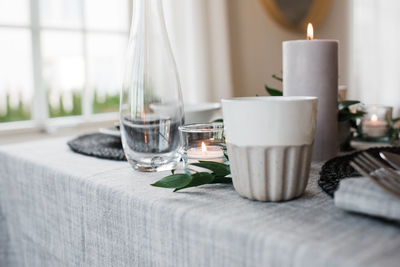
column 376, row 124
column 202, row 142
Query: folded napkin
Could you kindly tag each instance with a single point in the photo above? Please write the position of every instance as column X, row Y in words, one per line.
column 362, row 195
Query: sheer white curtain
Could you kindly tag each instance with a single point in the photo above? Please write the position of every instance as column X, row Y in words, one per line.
column 375, row 77
column 198, row 30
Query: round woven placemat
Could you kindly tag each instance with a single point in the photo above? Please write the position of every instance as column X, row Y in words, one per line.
column 339, row 168
column 98, row 145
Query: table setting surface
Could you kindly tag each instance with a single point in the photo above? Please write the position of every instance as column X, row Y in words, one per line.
column 58, row 208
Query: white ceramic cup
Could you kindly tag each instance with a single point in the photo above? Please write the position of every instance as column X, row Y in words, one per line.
column 269, row 141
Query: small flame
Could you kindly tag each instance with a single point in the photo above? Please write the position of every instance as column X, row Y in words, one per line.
column 374, row 117
column 310, row 32
column 203, row 147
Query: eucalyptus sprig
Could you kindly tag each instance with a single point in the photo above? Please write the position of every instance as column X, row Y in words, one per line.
column 345, row 114
column 272, row 91
column 178, row 181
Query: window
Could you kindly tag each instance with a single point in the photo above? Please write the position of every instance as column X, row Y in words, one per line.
column 61, row 57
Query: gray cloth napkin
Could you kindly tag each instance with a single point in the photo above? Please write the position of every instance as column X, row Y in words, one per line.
column 362, row 195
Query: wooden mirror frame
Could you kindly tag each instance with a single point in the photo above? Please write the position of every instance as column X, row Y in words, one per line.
column 315, row 15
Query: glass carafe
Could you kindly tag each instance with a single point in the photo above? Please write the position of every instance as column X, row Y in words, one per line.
column 151, row 108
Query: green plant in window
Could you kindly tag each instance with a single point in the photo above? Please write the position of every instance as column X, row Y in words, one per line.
column 109, row 104
column 61, row 111
column 18, row 113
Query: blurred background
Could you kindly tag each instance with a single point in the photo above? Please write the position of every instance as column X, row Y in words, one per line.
column 61, row 57
column 61, row 61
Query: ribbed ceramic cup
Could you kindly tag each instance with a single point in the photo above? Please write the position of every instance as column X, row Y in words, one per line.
column 269, row 141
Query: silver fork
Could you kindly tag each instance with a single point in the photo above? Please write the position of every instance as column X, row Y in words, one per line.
column 383, row 176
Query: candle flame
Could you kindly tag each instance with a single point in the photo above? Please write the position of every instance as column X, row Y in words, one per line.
column 203, row 147
column 374, row 117
column 310, row 31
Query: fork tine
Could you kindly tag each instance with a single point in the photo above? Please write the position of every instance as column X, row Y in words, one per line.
column 384, row 174
column 387, row 177
column 361, row 163
column 380, row 182
column 393, row 173
column 391, row 184
column 358, row 168
column 367, row 158
column 374, row 160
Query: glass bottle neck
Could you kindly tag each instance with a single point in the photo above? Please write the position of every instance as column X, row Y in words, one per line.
column 147, row 12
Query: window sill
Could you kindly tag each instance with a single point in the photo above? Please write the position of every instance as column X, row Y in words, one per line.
column 56, row 125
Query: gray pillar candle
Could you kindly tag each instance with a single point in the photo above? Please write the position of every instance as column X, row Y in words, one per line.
column 310, row 68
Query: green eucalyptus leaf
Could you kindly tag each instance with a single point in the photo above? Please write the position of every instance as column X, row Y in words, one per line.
column 226, row 155
column 219, row 169
column 174, row 181
column 347, row 103
column 345, row 115
column 273, row 92
column 218, row 120
column 198, row 179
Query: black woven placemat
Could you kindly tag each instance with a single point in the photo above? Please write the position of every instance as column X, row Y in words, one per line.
column 339, row 168
column 98, row 145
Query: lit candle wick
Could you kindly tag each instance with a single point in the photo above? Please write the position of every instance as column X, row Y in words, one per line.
column 310, row 31
column 203, row 147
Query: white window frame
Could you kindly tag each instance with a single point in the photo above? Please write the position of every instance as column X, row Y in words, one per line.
column 40, row 119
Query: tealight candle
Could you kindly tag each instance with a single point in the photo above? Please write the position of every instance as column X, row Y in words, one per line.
column 202, row 142
column 205, row 152
column 376, row 123
column 374, row 127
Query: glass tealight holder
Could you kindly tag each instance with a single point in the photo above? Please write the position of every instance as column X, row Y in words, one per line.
column 376, row 124
column 202, row 142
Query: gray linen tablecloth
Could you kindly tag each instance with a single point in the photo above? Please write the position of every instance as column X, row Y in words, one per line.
column 58, row 208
